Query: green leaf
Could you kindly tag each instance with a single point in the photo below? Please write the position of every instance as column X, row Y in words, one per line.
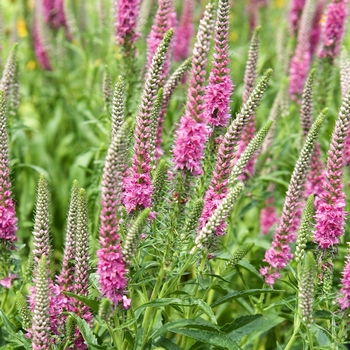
column 198, row 324
column 239, row 322
column 10, row 327
column 249, row 267
column 256, row 327
column 323, row 314
column 191, row 302
column 87, row 333
column 321, row 336
column 167, row 344
column 91, row 303
column 216, row 338
column 243, row 294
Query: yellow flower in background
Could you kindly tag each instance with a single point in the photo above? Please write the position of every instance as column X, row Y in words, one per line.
column 31, row 65
column 21, row 28
column 233, row 36
column 98, row 62
column 279, row 3
column 118, row 55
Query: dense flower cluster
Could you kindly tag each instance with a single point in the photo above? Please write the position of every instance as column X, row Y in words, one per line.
column 8, row 221
column 301, row 61
column 334, row 28
column 330, row 214
column 344, row 300
column 220, row 86
column 192, row 132
column 280, row 253
column 127, row 12
column 164, row 20
column 137, row 184
column 184, row 32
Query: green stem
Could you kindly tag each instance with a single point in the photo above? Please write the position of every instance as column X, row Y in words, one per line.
column 4, row 300
column 291, row 341
column 147, row 323
column 309, row 336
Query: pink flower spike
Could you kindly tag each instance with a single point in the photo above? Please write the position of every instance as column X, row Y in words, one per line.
column 184, row 32
column 316, row 26
column 192, row 132
column 137, row 184
column 280, row 254
column 8, row 221
column 330, row 214
column 40, row 48
column 268, row 218
column 126, row 21
column 295, row 12
column 300, row 63
column 164, row 20
column 110, row 264
column 337, row 12
column 344, row 300
column 191, row 137
column 220, row 85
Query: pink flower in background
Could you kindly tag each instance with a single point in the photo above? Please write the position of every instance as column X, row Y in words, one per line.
column 301, row 61
column 344, row 300
column 316, row 26
column 334, row 28
column 268, row 218
column 220, row 86
column 39, row 45
column 7, row 281
column 295, row 12
column 184, row 32
column 8, row 220
column 126, row 20
column 164, row 20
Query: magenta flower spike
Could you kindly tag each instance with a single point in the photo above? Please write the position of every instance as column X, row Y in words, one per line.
column 301, row 61
column 110, row 265
column 295, row 12
column 126, row 21
column 137, row 184
column 220, row 85
column 184, row 32
column 280, row 253
column 316, row 26
column 268, row 215
column 164, row 20
column 169, row 88
column 344, row 299
column 314, row 184
column 330, row 214
column 337, row 12
column 8, row 220
column 39, row 39
column 192, row 132
column 48, row 7
column 218, row 187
